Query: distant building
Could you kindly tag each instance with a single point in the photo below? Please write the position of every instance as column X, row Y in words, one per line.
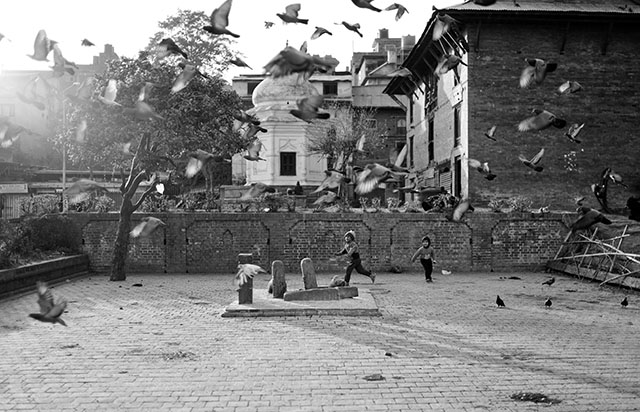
column 594, row 43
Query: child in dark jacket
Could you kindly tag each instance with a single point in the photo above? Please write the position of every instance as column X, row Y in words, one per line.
column 352, row 250
column 427, row 257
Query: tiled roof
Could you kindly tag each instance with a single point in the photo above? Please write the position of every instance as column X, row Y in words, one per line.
column 551, row 6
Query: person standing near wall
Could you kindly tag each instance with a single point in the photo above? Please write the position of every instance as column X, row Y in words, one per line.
column 427, row 257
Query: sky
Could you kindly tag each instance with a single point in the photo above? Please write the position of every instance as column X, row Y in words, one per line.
column 128, row 25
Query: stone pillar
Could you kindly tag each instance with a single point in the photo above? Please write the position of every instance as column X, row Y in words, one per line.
column 278, row 282
column 308, row 274
column 245, row 293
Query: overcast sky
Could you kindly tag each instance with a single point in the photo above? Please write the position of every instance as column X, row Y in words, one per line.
column 128, row 25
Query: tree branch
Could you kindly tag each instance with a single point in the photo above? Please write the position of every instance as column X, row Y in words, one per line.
column 146, row 193
column 131, row 190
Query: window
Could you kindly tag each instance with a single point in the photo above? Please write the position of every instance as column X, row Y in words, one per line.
column 430, row 141
column 330, row 88
column 457, row 187
column 456, row 126
column 287, row 163
column 7, row 110
column 411, row 163
column 411, row 110
column 401, row 126
column 456, row 75
column 371, row 123
column 251, row 86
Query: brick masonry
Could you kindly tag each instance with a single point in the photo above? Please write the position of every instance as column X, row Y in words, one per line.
column 210, row 243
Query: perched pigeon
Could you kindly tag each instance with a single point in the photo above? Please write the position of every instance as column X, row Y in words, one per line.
column 332, row 180
column 146, row 226
column 373, row 175
column 463, row 207
column 491, row 132
column 365, row 4
column 535, row 71
column 86, row 43
column 442, row 25
column 569, row 87
column 401, row 10
column 499, row 302
column 110, row 93
column 483, row 168
column 42, row 46
column 574, row 131
column 589, row 218
column 319, row 32
column 80, row 189
column 548, row 302
column 549, row 282
column 291, row 60
column 541, row 120
column 353, row 27
column 247, row 271
column 49, row 311
column 253, row 151
column 290, row 14
column 168, row 47
column 533, row 163
column 308, row 109
column 257, row 189
column 219, row 20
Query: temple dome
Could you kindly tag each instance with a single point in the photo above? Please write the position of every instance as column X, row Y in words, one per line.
column 282, row 92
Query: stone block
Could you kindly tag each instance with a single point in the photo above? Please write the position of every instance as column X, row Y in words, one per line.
column 278, row 282
column 308, row 274
column 322, row 293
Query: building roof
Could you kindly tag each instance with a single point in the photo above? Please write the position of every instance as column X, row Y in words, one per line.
column 552, row 6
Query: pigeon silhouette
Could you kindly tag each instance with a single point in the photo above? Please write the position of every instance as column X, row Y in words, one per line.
column 541, row 120
column 625, row 302
column 42, row 46
column 219, row 20
column 253, row 151
column 247, row 271
column 319, row 32
column 534, row 162
column 290, row 14
column 588, row 218
column 535, row 71
column 353, row 27
column 574, row 131
column 499, row 302
column 548, row 302
column 49, row 311
column 549, row 282
column 146, row 227
column 401, row 10
column 483, row 168
column 365, row 4
column 168, row 47
column 308, row 109
column 569, row 87
column 86, row 43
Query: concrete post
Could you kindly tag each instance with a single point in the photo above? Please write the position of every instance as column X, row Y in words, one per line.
column 245, row 293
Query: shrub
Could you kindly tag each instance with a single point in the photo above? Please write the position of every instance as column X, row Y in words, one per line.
column 54, row 233
column 39, row 205
column 520, row 204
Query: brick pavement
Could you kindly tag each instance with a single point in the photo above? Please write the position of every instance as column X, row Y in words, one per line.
column 164, row 346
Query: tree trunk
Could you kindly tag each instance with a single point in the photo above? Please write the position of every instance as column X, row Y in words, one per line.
column 121, row 248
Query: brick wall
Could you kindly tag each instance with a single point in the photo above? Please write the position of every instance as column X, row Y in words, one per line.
column 608, row 105
column 210, row 243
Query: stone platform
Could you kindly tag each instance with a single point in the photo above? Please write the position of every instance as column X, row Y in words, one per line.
column 265, row 305
column 322, row 293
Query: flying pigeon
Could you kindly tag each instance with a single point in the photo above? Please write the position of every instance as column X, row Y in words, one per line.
column 257, row 189
column 548, row 302
column 332, row 180
column 574, row 131
column 30, row 95
column 143, row 111
column 442, row 25
column 541, row 120
column 353, row 27
column 400, row 72
column 569, row 87
column 373, row 175
column 268, row 24
column 110, row 93
column 253, row 151
column 237, row 61
column 290, row 14
column 62, row 65
column 291, row 60
column 253, row 130
column 491, row 132
column 80, row 189
column 168, row 47
column 483, row 168
column 401, row 10
column 49, row 311
column 86, row 43
column 326, row 199
column 9, row 133
column 447, row 63
column 549, row 282
column 42, row 46
column 241, row 118
column 365, row 4
column 308, row 109
column 625, row 302
column 535, row 71
column 146, row 226
column 589, row 218
column 198, row 159
column 616, row 178
column 533, row 163
column 219, row 20
column 463, row 207
column 319, row 32
column 247, row 271
column 499, row 302
column 184, row 78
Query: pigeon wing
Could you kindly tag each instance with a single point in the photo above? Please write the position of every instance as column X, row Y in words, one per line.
column 220, row 16
column 536, row 159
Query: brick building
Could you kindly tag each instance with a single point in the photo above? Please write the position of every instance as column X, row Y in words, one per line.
column 594, row 43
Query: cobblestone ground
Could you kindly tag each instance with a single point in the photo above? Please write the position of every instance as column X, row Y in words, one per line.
column 439, row 346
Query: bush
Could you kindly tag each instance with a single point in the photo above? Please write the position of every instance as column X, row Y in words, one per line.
column 54, row 233
column 39, row 205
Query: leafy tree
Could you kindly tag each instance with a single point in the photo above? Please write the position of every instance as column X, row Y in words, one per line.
column 208, row 52
column 197, row 117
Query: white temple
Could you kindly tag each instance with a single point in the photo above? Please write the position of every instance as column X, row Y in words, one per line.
column 284, row 143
